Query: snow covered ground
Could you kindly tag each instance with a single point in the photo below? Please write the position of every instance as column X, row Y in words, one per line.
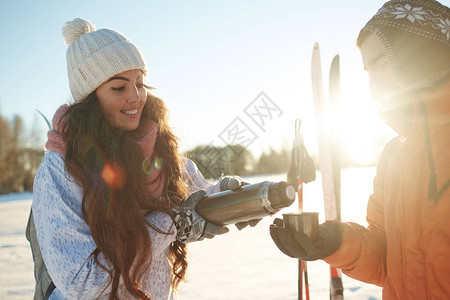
column 239, row 265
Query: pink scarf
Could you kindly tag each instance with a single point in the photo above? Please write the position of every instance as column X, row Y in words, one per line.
column 145, row 137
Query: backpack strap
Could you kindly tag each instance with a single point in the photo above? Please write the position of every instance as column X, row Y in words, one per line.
column 44, row 284
column 50, row 289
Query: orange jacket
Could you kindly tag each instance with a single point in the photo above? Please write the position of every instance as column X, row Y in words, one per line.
column 406, row 247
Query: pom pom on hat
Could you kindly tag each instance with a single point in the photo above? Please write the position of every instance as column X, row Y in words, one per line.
column 74, row 29
column 94, row 56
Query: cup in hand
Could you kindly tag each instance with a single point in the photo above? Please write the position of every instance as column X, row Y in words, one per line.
column 307, row 222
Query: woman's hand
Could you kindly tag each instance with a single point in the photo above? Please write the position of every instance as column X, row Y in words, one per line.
column 191, row 227
column 231, row 183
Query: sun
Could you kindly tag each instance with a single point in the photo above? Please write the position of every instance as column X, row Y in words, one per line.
column 354, row 119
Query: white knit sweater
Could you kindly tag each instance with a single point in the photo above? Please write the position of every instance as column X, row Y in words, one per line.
column 67, row 245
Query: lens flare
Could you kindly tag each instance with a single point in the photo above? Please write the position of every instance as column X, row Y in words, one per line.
column 90, row 141
column 158, row 163
column 114, row 176
column 148, row 166
column 108, row 174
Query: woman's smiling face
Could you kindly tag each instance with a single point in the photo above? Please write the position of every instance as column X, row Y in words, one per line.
column 122, row 98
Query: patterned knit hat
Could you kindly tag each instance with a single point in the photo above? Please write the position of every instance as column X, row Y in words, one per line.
column 94, row 56
column 416, row 36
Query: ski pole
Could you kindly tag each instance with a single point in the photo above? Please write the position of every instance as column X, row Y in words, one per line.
column 303, row 269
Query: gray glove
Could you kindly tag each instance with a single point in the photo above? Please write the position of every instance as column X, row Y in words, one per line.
column 190, row 225
column 234, row 183
column 231, row 183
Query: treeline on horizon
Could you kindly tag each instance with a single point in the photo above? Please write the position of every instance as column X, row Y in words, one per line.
column 20, row 157
column 21, row 153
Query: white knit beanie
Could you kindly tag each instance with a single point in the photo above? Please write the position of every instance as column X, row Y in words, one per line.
column 94, row 56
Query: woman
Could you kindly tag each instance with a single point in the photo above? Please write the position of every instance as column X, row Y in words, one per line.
column 112, row 182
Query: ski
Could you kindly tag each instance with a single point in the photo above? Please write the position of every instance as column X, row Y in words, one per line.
column 334, row 95
column 327, row 170
column 335, row 145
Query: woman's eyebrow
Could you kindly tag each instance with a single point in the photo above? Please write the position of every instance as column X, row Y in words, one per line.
column 122, row 78
column 118, row 77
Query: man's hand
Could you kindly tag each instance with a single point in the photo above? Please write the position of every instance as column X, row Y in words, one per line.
column 297, row 245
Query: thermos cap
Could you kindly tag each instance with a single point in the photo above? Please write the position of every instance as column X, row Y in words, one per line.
column 290, row 192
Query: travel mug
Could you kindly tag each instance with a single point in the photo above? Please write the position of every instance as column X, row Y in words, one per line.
column 307, row 222
column 249, row 202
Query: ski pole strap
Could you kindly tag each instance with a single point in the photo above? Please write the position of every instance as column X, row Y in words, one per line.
column 308, row 170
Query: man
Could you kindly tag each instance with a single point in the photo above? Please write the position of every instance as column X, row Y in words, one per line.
column 405, row 249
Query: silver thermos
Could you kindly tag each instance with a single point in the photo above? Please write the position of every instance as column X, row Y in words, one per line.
column 247, row 203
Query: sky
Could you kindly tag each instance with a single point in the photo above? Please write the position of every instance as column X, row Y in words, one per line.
column 212, row 62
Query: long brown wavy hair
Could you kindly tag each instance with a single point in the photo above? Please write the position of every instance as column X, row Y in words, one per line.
column 115, row 212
